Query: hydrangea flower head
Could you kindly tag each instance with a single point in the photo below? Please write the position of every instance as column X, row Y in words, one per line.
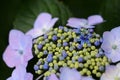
column 19, row 49
column 85, row 23
column 111, row 44
column 111, row 73
column 42, row 24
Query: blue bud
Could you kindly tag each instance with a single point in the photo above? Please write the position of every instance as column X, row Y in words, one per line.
column 98, row 55
column 49, row 58
column 45, row 52
column 97, row 43
column 80, row 59
column 64, row 54
column 89, row 35
column 79, row 46
column 62, row 37
column 65, row 44
column 36, row 67
column 91, row 30
column 61, row 58
column 54, row 38
column 59, row 44
column 56, row 67
column 71, row 48
column 75, row 39
column 45, row 36
column 45, row 66
column 101, row 68
column 38, row 63
column 77, row 31
column 65, row 29
column 39, row 46
column 89, row 44
column 101, row 40
column 61, row 27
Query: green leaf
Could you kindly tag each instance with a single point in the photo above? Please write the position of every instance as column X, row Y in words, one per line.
column 110, row 10
column 30, row 10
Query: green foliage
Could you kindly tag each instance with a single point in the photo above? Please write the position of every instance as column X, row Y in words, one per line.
column 110, row 11
column 30, row 10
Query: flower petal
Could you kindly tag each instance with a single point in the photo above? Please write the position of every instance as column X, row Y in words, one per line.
column 53, row 77
column 15, row 37
column 76, row 22
column 108, row 38
column 95, row 19
column 28, row 76
column 69, row 74
column 35, row 32
column 28, row 52
column 42, row 24
column 11, row 57
column 116, row 32
column 18, row 73
column 87, row 78
column 52, row 22
column 42, row 20
column 110, row 73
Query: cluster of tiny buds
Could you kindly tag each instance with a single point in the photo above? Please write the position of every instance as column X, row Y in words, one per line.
column 74, row 48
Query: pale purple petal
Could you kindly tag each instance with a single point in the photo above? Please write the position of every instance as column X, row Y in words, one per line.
column 95, row 19
column 28, row 52
column 69, row 74
column 42, row 24
column 52, row 22
column 11, row 57
column 116, row 32
column 28, row 76
column 107, row 39
column 87, row 78
column 76, row 22
column 114, row 56
column 20, row 73
column 111, row 73
column 15, row 36
column 53, row 77
column 35, row 32
column 42, row 20
column 89, row 26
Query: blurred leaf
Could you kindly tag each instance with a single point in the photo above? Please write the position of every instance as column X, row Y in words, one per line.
column 83, row 8
column 110, row 10
column 31, row 9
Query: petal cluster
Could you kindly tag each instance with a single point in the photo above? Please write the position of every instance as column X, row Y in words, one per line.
column 85, row 23
column 111, row 44
column 42, row 24
column 18, row 52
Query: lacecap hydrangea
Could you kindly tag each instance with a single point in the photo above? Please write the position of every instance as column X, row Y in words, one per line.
column 71, row 52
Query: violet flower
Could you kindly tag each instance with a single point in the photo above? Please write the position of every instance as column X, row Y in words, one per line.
column 111, row 44
column 85, row 23
column 19, row 50
column 42, row 24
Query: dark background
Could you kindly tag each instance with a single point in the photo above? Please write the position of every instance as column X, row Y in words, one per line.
column 109, row 9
